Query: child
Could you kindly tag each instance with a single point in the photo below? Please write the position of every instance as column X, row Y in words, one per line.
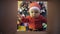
column 35, row 20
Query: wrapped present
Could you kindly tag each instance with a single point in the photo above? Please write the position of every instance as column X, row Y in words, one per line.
column 44, row 26
column 22, row 28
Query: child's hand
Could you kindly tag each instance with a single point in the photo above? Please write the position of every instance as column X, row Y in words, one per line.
column 18, row 22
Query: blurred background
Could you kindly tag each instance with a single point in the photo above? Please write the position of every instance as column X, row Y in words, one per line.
column 23, row 7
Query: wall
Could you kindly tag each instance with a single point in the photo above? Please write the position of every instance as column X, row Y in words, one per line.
column 8, row 12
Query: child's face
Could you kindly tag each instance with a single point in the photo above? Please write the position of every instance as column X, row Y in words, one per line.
column 34, row 13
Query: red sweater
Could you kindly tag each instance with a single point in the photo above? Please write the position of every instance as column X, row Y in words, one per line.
column 34, row 23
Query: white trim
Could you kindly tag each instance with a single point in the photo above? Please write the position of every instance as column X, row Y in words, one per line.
column 34, row 8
